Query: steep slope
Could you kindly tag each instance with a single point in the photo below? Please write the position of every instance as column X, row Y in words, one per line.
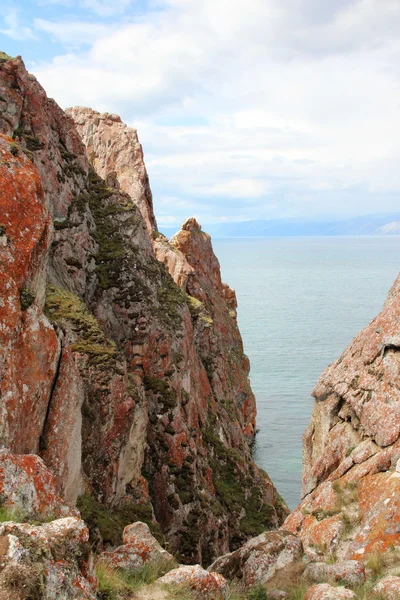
column 351, row 479
column 137, row 393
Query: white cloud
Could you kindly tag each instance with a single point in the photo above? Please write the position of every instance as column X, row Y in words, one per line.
column 300, row 101
column 72, row 32
column 13, row 29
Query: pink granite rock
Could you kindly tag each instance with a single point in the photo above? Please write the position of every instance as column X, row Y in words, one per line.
column 29, row 488
column 262, row 557
column 351, row 573
column 388, row 587
column 325, row 591
column 212, row 586
column 139, row 548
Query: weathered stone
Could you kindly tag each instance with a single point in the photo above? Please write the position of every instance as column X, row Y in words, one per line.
column 351, row 448
column 139, row 548
column 257, row 561
column 28, row 487
column 28, row 345
column 211, row 585
column 325, row 591
column 388, row 588
column 52, row 559
column 116, row 154
column 351, row 573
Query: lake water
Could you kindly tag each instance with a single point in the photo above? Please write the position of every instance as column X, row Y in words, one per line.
column 301, row 301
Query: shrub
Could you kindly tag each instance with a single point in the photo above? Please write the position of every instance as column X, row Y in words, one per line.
column 26, row 297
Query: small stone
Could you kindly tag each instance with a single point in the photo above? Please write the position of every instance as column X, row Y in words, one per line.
column 325, row 591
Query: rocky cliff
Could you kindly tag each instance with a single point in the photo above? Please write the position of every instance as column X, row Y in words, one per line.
column 351, row 473
column 121, row 363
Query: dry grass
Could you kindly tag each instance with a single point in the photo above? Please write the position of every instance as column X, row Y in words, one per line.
column 375, row 563
column 22, row 582
column 119, row 583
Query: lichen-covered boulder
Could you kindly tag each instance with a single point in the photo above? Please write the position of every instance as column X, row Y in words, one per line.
column 324, row 591
column 212, row 586
column 139, row 548
column 28, row 487
column 388, row 588
column 50, row 561
column 260, row 558
column 350, row 572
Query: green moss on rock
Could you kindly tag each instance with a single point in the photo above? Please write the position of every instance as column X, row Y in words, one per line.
column 62, row 307
column 4, row 57
column 112, row 521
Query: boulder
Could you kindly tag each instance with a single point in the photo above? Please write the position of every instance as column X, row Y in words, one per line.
column 139, row 548
column 28, row 487
column 350, row 572
column 260, row 558
column 50, row 561
column 388, row 587
column 212, row 586
column 324, row 591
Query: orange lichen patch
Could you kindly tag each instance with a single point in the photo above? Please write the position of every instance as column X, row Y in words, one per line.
column 213, row 586
column 28, row 486
column 324, row 498
column 321, row 534
column 176, row 453
column 23, row 211
column 139, row 548
column 379, row 500
column 28, row 344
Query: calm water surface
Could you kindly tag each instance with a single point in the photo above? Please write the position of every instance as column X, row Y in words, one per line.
column 301, row 301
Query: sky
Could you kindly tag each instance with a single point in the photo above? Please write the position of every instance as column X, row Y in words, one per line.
column 246, row 109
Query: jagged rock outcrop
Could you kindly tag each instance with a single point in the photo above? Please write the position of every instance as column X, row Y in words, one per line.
column 134, row 393
column 49, row 561
column 139, row 548
column 116, row 155
column 262, row 559
column 351, row 483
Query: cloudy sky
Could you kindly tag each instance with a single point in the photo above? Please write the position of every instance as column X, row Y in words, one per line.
column 246, row 109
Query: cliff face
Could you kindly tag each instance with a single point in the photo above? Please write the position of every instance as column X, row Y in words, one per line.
column 116, row 155
column 133, row 389
column 351, row 479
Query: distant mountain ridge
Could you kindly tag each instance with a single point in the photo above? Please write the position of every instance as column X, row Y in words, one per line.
column 381, row 224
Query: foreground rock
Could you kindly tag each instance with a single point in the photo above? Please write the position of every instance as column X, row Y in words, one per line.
column 260, row 559
column 351, row 573
column 28, row 488
column 388, row 588
column 50, row 561
column 139, row 548
column 211, row 586
column 325, row 591
column 351, row 484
